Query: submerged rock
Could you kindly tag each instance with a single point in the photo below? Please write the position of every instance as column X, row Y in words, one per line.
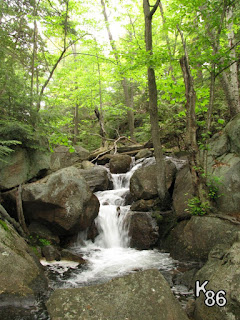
column 22, row 279
column 143, row 295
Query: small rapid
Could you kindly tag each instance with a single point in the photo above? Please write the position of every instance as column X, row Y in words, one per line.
column 110, row 255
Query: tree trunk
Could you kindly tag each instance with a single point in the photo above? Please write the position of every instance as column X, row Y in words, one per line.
column 231, row 86
column 153, row 108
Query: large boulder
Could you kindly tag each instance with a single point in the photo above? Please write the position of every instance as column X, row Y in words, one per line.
column 22, row 279
column 142, row 295
column 62, row 157
column 232, row 130
column 143, row 230
column 223, row 273
column 196, row 238
column 143, row 183
column 21, row 166
column 97, row 178
column 120, row 163
column 227, row 169
column 63, row 200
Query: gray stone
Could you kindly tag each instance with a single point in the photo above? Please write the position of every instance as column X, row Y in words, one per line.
column 97, row 178
column 22, row 166
column 63, row 200
column 227, row 169
column 232, row 130
column 120, row 163
column 21, row 275
column 145, row 153
column 143, row 295
column 62, row 158
column 183, row 191
column 143, row 183
column 223, row 273
column 143, row 230
column 219, row 145
column 196, row 238
column 51, row 253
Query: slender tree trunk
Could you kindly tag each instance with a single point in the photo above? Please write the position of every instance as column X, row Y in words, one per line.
column 124, row 82
column 233, row 86
column 20, row 214
column 101, row 117
column 153, row 108
column 75, row 117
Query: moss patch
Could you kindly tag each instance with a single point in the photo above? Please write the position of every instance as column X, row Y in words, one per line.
column 4, row 225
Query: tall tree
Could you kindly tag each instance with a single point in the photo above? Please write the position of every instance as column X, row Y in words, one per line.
column 153, row 104
column 126, row 84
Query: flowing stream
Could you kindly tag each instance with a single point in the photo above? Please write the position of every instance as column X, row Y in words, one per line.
column 109, row 255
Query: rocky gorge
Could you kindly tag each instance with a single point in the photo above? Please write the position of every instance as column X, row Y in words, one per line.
column 59, row 201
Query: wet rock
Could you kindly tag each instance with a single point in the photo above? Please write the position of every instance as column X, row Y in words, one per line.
column 223, row 273
column 120, row 163
column 71, row 256
column 22, row 278
column 143, row 183
column 51, row 253
column 196, row 238
column 97, row 178
column 143, row 230
column 144, row 205
column 63, row 200
column 142, row 295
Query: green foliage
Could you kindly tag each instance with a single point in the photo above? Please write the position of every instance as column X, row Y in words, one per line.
column 37, row 241
column 198, row 208
column 213, row 187
column 4, row 225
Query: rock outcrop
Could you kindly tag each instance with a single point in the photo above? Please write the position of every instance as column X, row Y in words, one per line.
column 195, row 238
column 223, row 273
column 21, row 166
column 142, row 295
column 22, row 276
column 62, row 158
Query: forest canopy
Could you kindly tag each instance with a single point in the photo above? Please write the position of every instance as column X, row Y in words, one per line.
column 75, row 72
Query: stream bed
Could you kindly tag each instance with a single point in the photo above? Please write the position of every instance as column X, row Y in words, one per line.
column 110, row 256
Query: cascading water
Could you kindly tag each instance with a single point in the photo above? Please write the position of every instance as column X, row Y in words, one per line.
column 109, row 255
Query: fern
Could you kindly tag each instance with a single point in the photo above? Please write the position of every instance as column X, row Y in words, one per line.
column 5, row 150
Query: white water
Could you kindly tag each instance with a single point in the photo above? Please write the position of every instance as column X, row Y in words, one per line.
column 109, row 255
